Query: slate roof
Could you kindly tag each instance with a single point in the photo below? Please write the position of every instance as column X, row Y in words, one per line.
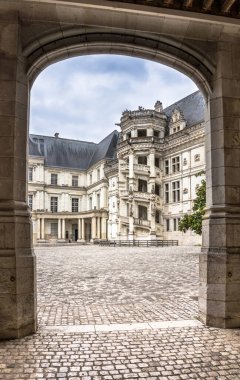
column 192, row 107
column 72, row 154
column 81, row 155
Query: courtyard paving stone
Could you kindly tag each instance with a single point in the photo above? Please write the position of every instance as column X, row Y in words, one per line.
column 117, row 313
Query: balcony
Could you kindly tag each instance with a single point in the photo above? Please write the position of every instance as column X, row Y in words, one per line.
column 137, row 195
column 140, row 168
column 141, row 222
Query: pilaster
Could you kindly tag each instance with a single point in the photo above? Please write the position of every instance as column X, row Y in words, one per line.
column 219, row 294
column 17, row 261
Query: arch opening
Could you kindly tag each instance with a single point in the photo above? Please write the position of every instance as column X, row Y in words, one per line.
column 185, row 59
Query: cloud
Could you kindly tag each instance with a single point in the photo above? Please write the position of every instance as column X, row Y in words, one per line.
column 82, row 98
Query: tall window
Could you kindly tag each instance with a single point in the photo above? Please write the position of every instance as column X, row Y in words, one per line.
column 98, row 174
column 30, row 201
column 167, row 224
column 175, row 224
column 90, row 203
column 54, row 179
column 166, row 192
column 157, row 189
column 157, row 162
column 176, row 191
column 54, row 229
column 142, row 160
column 74, row 204
column 166, row 167
column 74, row 180
column 142, row 212
column 98, row 201
column 176, row 164
column 90, row 179
column 30, row 173
column 54, row 204
column 157, row 216
column 142, row 185
column 156, row 133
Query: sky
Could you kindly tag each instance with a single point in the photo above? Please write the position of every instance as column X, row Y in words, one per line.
column 82, row 98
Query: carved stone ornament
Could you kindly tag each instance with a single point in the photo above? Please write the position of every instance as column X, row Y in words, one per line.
column 185, row 191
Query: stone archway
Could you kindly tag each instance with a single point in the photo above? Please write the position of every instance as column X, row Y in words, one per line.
column 35, row 35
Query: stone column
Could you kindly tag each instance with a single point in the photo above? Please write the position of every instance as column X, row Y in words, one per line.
column 131, row 219
column 93, row 228
column 59, row 229
column 104, row 228
column 83, row 229
column 38, row 228
column 63, row 229
column 99, row 228
column 17, row 261
column 43, row 229
column 219, row 294
column 79, row 230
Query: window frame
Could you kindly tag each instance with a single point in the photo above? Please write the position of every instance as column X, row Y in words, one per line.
column 54, row 181
column 142, row 186
column 166, row 167
column 30, row 201
column 143, row 213
column 75, row 204
column 167, row 193
column 30, row 174
column 176, row 164
column 54, row 204
column 176, row 191
column 75, row 180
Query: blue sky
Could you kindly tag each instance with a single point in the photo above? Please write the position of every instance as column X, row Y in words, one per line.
column 82, row 98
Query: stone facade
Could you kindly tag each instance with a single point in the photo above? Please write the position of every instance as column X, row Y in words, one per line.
column 139, row 191
column 204, row 46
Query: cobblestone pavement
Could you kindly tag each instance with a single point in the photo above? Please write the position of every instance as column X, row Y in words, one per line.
column 148, row 296
column 99, row 285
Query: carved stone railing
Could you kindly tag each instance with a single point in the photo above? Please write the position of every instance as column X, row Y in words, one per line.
column 139, row 194
column 124, row 167
column 141, row 222
column 124, row 193
column 141, row 168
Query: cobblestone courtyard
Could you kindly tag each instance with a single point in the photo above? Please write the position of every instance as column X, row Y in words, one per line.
column 120, row 313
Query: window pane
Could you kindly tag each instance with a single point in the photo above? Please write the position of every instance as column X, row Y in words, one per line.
column 74, row 204
column 30, row 174
column 74, row 180
column 54, row 178
column 142, row 212
column 54, row 204
column 30, row 201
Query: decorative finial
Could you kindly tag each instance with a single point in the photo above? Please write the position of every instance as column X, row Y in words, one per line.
column 158, row 106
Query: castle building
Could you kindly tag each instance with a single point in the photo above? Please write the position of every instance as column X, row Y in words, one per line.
column 134, row 184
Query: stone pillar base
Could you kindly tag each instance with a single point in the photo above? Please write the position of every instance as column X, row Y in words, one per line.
column 18, row 296
column 219, row 288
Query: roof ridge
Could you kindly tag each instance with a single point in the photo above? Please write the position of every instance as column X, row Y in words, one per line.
column 62, row 138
